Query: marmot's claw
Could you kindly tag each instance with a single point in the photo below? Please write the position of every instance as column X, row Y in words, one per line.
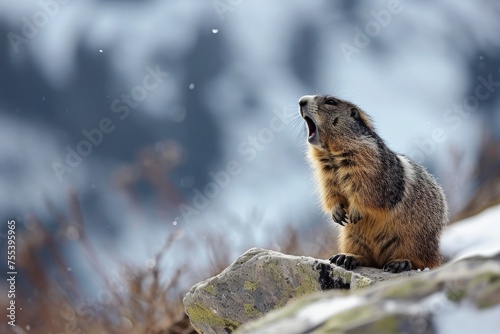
column 339, row 216
column 354, row 217
column 337, row 258
column 349, row 262
column 397, row 266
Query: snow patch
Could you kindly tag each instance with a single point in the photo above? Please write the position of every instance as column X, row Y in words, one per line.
column 323, row 310
column 466, row 318
column 477, row 235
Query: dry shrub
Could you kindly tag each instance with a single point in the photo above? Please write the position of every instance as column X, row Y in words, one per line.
column 139, row 300
column 51, row 300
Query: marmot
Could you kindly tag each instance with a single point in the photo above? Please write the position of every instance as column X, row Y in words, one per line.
column 392, row 211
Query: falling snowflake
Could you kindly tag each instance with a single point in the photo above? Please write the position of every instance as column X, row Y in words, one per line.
column 150, row 263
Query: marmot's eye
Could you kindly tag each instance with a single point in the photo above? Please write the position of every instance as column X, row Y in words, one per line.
column 331, row 102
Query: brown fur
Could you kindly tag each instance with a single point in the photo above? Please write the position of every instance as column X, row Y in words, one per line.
column 393, row 210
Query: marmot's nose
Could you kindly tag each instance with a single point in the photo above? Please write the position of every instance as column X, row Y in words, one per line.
column 304, row 100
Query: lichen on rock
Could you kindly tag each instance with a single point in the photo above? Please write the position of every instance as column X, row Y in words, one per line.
column 445, row 300
column 260, row 281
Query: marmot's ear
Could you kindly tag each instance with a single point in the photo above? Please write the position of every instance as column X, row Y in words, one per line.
column 355, row 113
column 361, row 117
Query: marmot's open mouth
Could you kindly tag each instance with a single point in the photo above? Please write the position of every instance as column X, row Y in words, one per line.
column 312, row 130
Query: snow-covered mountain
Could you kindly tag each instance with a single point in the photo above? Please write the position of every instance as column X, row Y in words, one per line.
column 228, row 76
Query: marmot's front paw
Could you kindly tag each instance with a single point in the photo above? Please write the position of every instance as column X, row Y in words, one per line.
column 338, row 215
column 348, row 261
column 397, row 266
column 354, row 216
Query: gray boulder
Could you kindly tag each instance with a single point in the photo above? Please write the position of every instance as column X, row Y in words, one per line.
column 460, row 297
column 260, row 281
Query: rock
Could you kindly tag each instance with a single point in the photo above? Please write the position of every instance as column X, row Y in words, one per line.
column 460, row 297
column 260, row 281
